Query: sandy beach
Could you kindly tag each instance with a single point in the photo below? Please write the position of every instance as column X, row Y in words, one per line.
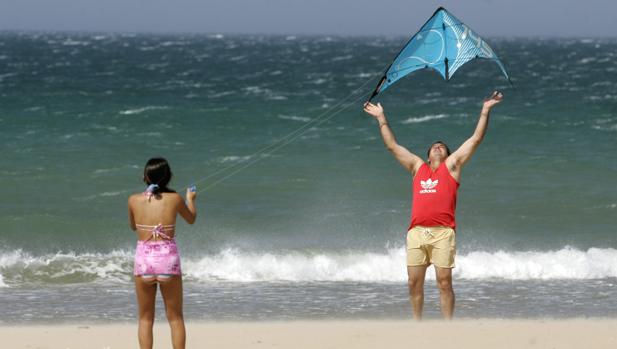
column 575, row 333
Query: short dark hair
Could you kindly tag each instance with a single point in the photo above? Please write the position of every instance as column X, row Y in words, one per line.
column 157, row 171
column 428, row 152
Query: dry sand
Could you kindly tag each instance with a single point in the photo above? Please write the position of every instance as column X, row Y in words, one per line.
column 584, row 333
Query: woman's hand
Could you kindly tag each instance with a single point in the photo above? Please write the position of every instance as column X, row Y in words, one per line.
column 191, row 193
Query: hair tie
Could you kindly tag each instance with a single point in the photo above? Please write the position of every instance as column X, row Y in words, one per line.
column 150, row 190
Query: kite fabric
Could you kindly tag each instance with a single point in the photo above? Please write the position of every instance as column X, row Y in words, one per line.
column 444, row 44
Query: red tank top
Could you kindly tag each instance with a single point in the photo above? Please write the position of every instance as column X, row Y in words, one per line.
column 433, row 197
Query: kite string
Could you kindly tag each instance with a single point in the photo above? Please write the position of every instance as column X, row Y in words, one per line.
column 293, row 135
column 310, row 123
column 253, row 161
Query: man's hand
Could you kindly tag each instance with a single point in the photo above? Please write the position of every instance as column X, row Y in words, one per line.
column 375, row 110
column 495, row 98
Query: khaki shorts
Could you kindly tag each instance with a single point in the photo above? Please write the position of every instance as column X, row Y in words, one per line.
column 431, row 245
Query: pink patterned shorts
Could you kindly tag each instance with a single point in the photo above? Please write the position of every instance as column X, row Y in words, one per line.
column 157, row 258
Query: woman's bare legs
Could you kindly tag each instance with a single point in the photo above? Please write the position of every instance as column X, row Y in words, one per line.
column 146, row 295
column 172, row 295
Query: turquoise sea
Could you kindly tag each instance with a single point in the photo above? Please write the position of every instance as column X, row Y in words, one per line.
column 302, row 212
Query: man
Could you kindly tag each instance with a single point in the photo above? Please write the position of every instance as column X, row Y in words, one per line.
column 431, row 235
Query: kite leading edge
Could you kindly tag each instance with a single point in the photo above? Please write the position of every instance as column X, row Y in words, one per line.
column 444, row 44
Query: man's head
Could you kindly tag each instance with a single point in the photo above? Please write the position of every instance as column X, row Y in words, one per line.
column 438, row 151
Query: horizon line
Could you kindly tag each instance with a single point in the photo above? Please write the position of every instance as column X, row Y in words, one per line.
column 295, row 35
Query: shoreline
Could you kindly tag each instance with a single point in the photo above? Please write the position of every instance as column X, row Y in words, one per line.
column 466, row 333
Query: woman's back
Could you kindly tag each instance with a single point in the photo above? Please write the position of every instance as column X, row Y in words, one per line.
column 161, row 208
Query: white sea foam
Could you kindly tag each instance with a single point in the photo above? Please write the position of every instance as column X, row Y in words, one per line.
column 295, row 118
column 103, row 171
column 233, row 265
column 239, row 266
column 319, row 81
column 606, row 83
column 605, row 97
column 102, row 194
column 605, row 128
column 415, row 120
column 221, row 94
column 234, row 158
column 106, row 170
column 277, row 98
column 567, row 263
column 113, row 193
column 149, row 134
column 587, row 60
column 7, row 75
column 255, row 90
column 237, row 58
column 34, row 109
column 141, row 110
column 71, row 42
column 23, row 267
column 606, row 124
column 171, row 43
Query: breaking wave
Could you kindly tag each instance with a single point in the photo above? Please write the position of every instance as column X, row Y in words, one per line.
column 233, row 265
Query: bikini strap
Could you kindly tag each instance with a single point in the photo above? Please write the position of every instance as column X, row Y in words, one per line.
column 145, row 226
column 157, row 230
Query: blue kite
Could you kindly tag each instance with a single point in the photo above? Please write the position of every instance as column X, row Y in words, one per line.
column 444, row 44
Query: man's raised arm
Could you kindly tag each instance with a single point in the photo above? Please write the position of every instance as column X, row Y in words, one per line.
column 466, row 150
column 407, row 159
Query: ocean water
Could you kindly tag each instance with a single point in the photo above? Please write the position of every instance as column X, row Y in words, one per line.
column 302, row 213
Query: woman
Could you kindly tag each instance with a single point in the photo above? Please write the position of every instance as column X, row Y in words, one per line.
column 152, row 215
